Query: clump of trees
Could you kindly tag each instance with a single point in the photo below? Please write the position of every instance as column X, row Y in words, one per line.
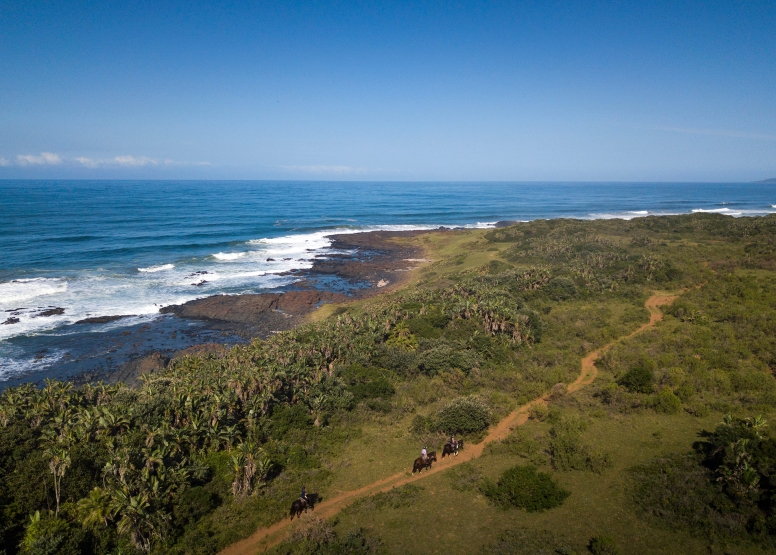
column 724, row 488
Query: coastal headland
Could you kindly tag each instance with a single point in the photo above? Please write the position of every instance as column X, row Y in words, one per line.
column 611, row 380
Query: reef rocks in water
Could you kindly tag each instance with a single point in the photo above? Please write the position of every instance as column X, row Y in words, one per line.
column 102, row 319
column 256, row 315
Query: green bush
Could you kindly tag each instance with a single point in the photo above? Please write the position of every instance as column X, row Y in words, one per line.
column 320, row 538
column 367, row 382
column 561, row 289
column 666, row 402
column 529, row 542
column 603, row 545
column 639, row 379
column 464, row 477
column 525, row 488
column 567, row 452
column 463, row 415
column 424, row 329
column 285, row 418
column 422, row 424
column 443, row 356
column 50, row 536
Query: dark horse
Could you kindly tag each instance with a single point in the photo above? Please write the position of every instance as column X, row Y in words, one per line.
column 452, row 449
column 420, row 464
column 300, row 506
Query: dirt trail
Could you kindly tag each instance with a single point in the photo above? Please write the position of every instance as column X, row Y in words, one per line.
column 265, row 538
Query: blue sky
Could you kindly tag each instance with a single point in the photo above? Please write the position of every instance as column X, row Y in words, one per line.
column 651, row 91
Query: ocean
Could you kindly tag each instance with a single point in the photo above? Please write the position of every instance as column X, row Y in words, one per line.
column 71, row 250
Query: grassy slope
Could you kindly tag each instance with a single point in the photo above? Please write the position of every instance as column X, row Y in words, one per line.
column 442, row 519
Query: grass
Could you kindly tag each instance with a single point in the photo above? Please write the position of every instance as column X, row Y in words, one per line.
column 456, row 521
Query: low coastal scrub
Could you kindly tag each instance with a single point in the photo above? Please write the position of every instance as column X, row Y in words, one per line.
column 567, row 452
column 318, row 537
column 523, row 487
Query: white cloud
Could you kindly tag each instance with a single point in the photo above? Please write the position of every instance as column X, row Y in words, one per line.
column 88, row 162
column 45, row 159
column 718, row 133
column 129, row 161
column 134, row 161
column 337, row 170
column 123, row 161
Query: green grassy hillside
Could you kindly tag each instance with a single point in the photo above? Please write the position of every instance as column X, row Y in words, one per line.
column 669, row 450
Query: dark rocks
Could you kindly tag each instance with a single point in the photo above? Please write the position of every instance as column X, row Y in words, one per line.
column 51, row 312
column 130, row 372
column 11, row 321
column 102, row 319
column 259, row 314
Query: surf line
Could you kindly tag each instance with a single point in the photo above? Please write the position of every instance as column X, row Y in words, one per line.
column 265, row 538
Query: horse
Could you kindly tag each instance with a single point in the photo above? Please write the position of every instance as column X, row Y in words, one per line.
column 300, row 506
column 420, row 464
column 452, row 450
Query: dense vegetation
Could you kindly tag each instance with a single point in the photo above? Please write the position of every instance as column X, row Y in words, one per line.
column 214, row 446
column 525, row 488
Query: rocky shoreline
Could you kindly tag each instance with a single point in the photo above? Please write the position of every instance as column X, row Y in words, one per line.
column 373, row 263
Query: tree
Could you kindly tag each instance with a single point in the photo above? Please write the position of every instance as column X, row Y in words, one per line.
column 59, row 460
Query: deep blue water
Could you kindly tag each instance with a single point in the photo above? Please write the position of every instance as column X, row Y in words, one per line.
column 120, row 247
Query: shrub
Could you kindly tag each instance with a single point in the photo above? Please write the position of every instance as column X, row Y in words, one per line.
column 666, row 402
column 464, row 477
column 47, row 536
column 639, row 379
column 463, row 415
column 567, row 452
column 367, row 383
column 529, row 542
column 423, row 328
column 561, row 288
column 442, row 356
column 525, row 488
column 603, row 545
column 422, row 424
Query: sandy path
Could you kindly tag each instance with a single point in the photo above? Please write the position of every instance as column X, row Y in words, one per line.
column 265, row 538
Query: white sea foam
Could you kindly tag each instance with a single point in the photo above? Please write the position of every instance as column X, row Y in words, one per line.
column 711, row 210
column 159, row 268
column 626, row 215
column 736, row 212
column 29, row 289
column 12, row 366
column 229, row 256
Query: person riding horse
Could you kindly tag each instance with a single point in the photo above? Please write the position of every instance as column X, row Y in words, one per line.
column 303, row 503
column 424, row 454
column 453, row 443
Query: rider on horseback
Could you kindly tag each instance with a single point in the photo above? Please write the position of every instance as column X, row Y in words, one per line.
column 453, row 443
column 303, row 496
column 424, row 454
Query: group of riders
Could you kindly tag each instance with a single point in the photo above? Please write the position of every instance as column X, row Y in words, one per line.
column 423, row 453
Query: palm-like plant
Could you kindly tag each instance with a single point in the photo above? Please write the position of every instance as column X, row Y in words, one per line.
column 59, row 460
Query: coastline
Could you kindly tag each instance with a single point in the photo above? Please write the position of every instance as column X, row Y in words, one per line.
column 363, row 265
